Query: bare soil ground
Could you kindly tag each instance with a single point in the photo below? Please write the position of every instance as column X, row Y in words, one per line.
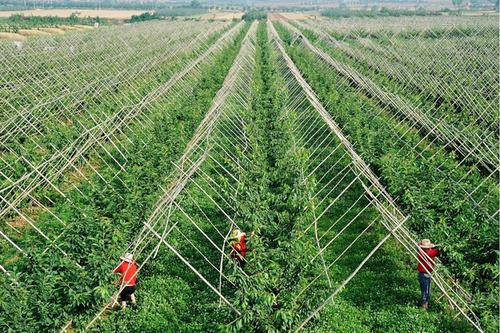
column 11, row 260
column 76, row 177
column 30, row 32
column 11, row 36
column 69, row 28
column 31, row 213
column 301, row 15
column 83, row 27
column 23, row 33
column 104, row 13
column 52, row 30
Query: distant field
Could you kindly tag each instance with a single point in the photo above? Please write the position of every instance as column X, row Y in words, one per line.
column 301, row 15
column 22, row 34
column 107, row 13
column 110, row 13
column 222, row 16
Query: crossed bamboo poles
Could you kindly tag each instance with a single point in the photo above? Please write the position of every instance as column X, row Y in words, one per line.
column 85, row 76
column 104, row 134
column 466, row 140
column 223, row 121
column 393, row 219
column 120, row 69
column 219, row 135
column 442, row 131
column 304, row 101
column 479, row 148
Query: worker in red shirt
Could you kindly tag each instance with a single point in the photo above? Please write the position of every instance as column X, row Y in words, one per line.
column 239, row 246
column 426, row 254
column 128, row 270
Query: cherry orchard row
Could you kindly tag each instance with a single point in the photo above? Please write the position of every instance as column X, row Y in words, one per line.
column 272, row 172
column 448, row 80
column 104, row 213
column 182, row 244
column 448, row 202
column 32, row 135
column 86, row 150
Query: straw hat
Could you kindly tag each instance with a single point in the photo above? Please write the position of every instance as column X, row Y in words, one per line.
column 236, row 234
column 127, row 257
column 426, row 244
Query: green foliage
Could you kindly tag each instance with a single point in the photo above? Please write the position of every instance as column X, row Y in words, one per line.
column 272, row 179
column 195, row 308
column 375, row 12
column 146, row 16
column 254, row 14
column 195, row 4
column 109, row 212
column 274, row 200
column 423, row 179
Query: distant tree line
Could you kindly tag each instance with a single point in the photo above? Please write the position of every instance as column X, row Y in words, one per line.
column 18, row 21
column 194, row 8
column 197, row 7
column 147, row 16
column 112, row 4
column 94, row 4
column 254, row 14
column 375, row 12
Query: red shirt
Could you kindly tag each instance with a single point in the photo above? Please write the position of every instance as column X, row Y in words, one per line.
column 424, row 261
column 240, row 246
column 128, row 272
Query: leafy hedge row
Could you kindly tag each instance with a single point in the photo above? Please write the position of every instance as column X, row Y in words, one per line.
column 58, row 135
column 270, row 201
column 273, row 202
column 440, row 104
column 170, row 296
column 433, row 197
column 278, row 205
column 52, row 289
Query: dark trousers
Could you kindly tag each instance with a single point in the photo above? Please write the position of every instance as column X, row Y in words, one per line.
column 239, row 257
column 241, row 261
column 126, row 292
column 425, row 287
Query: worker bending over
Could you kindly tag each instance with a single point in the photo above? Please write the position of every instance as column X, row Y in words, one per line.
column 128, row 270
column 239, row 248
